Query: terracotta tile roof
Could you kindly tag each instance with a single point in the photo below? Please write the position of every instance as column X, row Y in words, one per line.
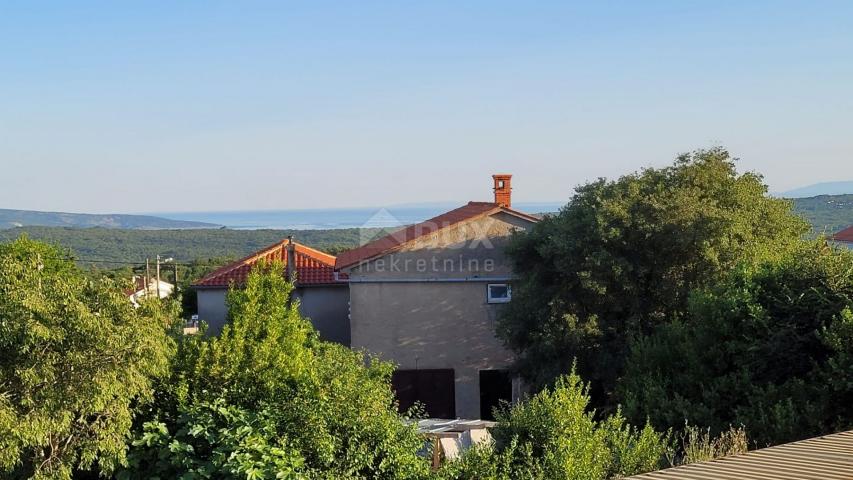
column 845, row 235
column 397, row 239
column 313, row 267
column 827, row 457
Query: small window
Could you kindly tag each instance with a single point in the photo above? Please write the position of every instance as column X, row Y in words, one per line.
column 500, row 184
column 499, row 293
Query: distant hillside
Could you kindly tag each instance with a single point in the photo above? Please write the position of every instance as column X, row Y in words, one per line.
column 120, row 245
column 826, row 213
column 26, row 218
column 825, row 188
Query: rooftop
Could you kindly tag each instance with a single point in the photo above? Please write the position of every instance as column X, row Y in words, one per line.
column 313, row 267
column 845, row 235
column 396, row 240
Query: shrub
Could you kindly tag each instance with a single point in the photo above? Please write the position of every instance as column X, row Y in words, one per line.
column 213, row 441
column 698, row 445
column 554, row 435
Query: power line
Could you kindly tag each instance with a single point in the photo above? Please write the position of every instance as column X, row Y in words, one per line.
column 114, row 262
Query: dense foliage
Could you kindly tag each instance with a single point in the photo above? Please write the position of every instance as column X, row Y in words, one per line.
column 623, row 256
column 216, row 441
column 770, row 348
column 267, row 387
column 554, row 435
column 75, row 361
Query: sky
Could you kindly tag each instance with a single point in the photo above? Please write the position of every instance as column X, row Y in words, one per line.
column 122, row 107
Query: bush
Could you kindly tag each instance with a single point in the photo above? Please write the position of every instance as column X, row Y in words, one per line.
column 698, row 445
column 553, row 435
column 215, row 441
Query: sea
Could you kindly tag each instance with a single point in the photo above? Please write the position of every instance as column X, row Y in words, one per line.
column 333, row 218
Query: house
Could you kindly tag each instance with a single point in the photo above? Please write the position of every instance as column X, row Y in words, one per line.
column 845, row 237
column 427, row 298
column 827, row 457
column 147, row 288
column 322, row 292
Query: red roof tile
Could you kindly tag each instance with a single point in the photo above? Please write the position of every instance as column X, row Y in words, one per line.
column 313, row 267
column 397, row 239
column 845, row 235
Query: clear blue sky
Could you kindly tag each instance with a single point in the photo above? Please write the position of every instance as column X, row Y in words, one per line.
column 165, row 106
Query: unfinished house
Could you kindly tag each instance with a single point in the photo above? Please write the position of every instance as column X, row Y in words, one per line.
column 427, row 298
column 322, row 292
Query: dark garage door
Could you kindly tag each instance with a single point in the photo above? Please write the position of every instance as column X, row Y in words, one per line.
column 495, row 386
column 435, row 389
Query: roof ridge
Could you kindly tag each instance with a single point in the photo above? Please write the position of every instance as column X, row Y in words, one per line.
column 321, row 258
column 243, row 261
column 843, row 235
column 314, row 253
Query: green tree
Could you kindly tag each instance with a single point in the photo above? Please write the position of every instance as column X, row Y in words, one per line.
column 329, row 407
column 75, row 360
column 770, row 348
column 623, row 256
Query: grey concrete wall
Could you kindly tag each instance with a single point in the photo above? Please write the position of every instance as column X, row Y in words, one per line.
column 326, row 306
column 431, row 325
column 328, row 309
column 211, row 308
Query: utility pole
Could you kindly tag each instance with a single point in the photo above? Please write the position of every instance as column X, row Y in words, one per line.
column 158, row 277
column 39, row 267
column 175, row 264
column 290, row 260
column 147, row 276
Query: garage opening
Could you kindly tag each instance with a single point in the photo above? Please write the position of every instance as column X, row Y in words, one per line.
column 495, row 386
column 435, row 389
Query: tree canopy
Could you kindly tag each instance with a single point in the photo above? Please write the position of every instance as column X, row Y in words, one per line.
column 771, row 348
column 623, row 256
column 75, row 360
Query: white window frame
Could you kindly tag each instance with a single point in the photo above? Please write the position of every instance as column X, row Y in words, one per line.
column 490, row 299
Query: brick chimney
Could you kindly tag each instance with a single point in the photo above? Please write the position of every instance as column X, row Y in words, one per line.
column 503, row 190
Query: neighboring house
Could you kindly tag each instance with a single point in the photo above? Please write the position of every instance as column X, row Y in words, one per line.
column 427, row 298
column 845, row 237
column 322, row 292
column 827, row 457
column 143, row 288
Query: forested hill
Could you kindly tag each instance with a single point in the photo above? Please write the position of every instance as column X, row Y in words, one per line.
column 18, row 218
column 136, row 245
column 826, row 213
